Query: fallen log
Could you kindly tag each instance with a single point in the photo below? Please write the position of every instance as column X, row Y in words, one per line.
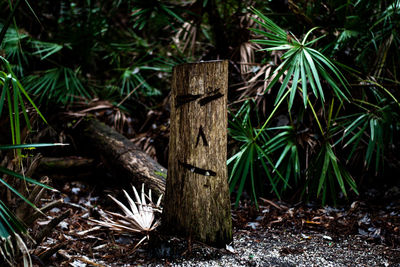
column 121, row 156
column 67, row 163
column 70, row 168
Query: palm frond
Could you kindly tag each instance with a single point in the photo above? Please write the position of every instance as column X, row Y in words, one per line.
column 251, row 157
column 12, row 46
column 301, row 64
column 139, row 217
column 60, row 85
column 45, row 49
column 330, row 173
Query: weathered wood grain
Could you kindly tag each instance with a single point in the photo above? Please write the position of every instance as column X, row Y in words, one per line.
column 123, row 157
column 197, row 196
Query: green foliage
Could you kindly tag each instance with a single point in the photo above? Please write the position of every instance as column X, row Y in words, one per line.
column 8, row 221
column 301, row 65
column 330, row 172
column 373, row 126
column 13, row 97
column 12, row 47
column 63, row 67
column 14, row 94
column 251, row 157
column 301, row 61
column 44, row 49
column 61, row 84
column 155, row 12
column 313, row 147
column 316, row 115
column 368, row 32
column 132, row 79
column 288, row 162
column 10, row 225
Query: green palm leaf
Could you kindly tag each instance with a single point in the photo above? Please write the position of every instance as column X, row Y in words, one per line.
column 302, row 64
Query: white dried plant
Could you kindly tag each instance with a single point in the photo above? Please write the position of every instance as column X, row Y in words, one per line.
column 139, row 217
column 8, row 252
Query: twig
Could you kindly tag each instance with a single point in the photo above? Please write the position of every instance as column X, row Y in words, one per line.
column 273, row 204
column 134, row 90
column 45, row 256
column 89, row 261
column 50, row 226
column 37, row 214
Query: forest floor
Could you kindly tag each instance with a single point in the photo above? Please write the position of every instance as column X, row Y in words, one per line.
column 366, row 233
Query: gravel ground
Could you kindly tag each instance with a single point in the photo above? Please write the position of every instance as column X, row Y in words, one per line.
column 278, row 248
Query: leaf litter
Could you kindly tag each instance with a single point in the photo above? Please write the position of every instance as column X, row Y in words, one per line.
column 278, row 234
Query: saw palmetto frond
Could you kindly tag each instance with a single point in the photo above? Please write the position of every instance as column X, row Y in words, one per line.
column 139, row 217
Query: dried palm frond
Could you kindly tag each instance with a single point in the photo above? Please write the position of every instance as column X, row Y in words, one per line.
column 247, row 57
column 139, row 218
column 110, row 112
column 9, row 253
column 185, row 38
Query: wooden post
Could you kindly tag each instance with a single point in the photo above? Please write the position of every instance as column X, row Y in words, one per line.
column 197, row 203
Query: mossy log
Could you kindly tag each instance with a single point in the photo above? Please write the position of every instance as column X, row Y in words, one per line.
column 121, row 156
column 197, row 202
